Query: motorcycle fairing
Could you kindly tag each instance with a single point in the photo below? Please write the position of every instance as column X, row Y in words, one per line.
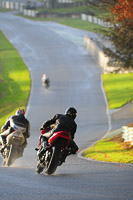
column 61, row 134
column 15, row 137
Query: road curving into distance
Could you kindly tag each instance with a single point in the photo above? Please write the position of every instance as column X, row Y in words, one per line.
column 58, row 51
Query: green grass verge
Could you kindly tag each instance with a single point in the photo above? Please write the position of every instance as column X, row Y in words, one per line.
column 109, row 151
column 14, row 80
column 118, row 88
column 5, row 9
column 102, row 11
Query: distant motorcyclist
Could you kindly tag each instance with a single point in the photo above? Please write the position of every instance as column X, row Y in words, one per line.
column 62, row 122
column 13, row 123
column 45, row 81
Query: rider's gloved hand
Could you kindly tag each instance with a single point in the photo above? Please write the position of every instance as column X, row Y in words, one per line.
column 42, row 128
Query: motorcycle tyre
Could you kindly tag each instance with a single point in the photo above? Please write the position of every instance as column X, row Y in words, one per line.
column 54, row 161
column 39, row 169
column 9, row 160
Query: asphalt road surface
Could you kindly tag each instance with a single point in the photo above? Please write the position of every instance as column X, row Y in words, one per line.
column 58, row 51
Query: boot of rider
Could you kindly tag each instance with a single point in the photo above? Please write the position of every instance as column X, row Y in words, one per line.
column 43, row 141
column 3, row 142
column 44, row 145
column 64, row 155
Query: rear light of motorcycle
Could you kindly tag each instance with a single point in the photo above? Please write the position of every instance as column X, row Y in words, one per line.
column 17, row 138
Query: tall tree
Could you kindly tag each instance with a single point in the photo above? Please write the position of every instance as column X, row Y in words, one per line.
column 122, row 31
column 123, row 11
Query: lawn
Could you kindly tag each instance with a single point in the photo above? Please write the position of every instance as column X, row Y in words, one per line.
column 118, row 88
column 14, row 80
column 111, row 150
column 102, row 11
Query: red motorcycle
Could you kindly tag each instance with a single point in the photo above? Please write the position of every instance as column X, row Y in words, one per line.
column 50, row 158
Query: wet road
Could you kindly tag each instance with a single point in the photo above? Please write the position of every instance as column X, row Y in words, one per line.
column 58, row 51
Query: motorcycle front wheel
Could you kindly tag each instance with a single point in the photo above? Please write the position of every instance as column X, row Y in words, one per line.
column 52, row 161
column 39, row 167
column 9, row 158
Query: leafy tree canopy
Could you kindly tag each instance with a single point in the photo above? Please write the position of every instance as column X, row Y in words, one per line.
column 122, row 31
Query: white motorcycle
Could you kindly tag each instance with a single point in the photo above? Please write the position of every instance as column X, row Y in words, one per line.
column 14, row 148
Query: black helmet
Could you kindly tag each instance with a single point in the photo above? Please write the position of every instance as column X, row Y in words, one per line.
column 72, row 112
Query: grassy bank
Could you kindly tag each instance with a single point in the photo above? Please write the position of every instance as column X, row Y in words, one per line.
column 101, row 11
column 118, row 88
column 14, row 80
column 5, row 9
column 111, row 150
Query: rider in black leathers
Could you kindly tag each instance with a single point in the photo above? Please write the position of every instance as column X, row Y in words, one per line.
column 14, row 123
column 62, row 123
